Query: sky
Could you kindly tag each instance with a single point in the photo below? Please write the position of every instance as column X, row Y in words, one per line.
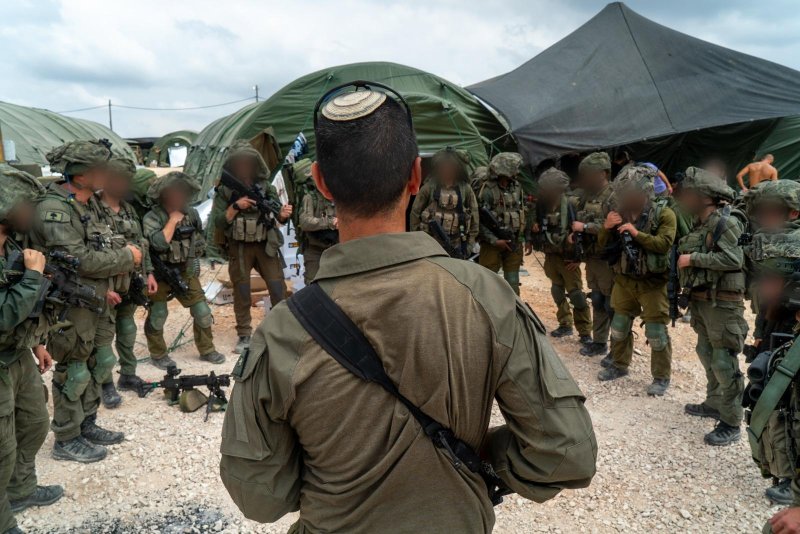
column 71, row 54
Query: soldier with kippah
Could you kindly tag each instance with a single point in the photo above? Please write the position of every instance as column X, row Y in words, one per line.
column 593, row 178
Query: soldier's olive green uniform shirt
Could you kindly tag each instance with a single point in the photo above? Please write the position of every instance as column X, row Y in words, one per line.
column 302, row 432
column 593, row 212
column 177, row 250
column 18, row 334
column 507, row 204
column 553, row 236
column 426, row 208
column 126, row 223
column 249, row 226
column 317, row 214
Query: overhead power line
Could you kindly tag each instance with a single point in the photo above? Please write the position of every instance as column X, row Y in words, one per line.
column 142, row 108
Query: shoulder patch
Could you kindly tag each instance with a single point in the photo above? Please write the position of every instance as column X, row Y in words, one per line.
column 55, row 216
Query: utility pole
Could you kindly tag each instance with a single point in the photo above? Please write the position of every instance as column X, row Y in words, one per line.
column 255, row 88
column 110, row 122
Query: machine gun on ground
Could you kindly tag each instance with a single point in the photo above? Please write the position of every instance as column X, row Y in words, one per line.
column 441, row 236
column 491, row 222
column 61, row 287
column 169, row 274
column 256, row 192
column 177, row 389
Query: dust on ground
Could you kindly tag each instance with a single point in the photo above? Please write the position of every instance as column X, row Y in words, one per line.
column 654, row 473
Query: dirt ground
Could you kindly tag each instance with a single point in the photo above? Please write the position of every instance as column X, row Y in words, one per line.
column 654, row 472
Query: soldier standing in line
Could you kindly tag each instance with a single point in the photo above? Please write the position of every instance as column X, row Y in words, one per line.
column 175, row 235
column 501, row 195
column 593, row 177
column 554, row 213
column 23, row 406
column 68, row 219
column 318, row 222
column 640, row 233
column 711, row 264
column 447, row 200
column 252, row 240
column 124, row 222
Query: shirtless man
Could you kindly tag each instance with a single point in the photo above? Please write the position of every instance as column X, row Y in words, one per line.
column 757, row 172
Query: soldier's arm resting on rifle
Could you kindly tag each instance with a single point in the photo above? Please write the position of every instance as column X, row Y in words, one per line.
column 548, row 443
column 421, row 202
column 18, row 300
column 309, row 223
column 727, row 255
column 664, row 237
column 472, row 204
column 64, row 235
column 157, row 233
column 261, row 464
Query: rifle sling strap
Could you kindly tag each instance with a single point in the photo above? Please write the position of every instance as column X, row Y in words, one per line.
column 333, row 330
column 773, row 392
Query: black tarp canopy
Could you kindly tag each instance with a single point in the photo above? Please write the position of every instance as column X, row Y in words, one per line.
column 622, row 79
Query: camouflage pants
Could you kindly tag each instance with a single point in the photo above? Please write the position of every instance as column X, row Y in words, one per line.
column 494, row 258
column 721, row 331
column 567, row 287
column 600, row 279
column 311, row 257
column 243, row 258
column 157, row 317
column 76, row 393
column 23, row 428
column 631, row 299
column 125, row 327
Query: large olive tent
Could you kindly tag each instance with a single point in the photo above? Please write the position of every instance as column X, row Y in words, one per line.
column 160, row 151
column 444, row 115
column 34, row 132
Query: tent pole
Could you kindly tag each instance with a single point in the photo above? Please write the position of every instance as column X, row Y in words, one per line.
column 110, row 122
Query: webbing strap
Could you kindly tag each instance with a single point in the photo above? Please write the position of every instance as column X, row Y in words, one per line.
column 336, row 333
column 774, row 390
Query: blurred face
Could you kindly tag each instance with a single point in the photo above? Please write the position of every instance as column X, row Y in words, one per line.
column 448, row 173
column 174, row 198
column 593, row 181
column 692, row 201
column 117, row 186
column 244, row 169
column 634, row 201
column 20, row 218
column 94, row 179
column 770, row 289
column 772, row 216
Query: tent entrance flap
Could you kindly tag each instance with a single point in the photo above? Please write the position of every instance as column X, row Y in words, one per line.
column 268, row 147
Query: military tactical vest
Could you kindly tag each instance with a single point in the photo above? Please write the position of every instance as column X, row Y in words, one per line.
column 249, row 226
column 557, row 226
column 506, row 204
column 126, row 230
column 649, row 262
column 447, row 207
column 322, row 208
column 594, row 211
column 186, row 245
column 703, row 239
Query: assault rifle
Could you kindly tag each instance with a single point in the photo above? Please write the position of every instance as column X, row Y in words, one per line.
column 137, row 291
column 441, row 236
column 488, row 219
column 631, row 252
column 173, row 385
column 61, row 286
column 169, row 274
column 264, row 203
column 577, row 238
column 673, row 285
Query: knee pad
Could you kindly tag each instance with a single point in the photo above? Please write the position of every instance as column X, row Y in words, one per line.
column 656, row 334
column 201, row 314
column 559, row 295
column 77, row 380
column 277, row 290
column 598, row 300
column 104, row 361
column 126, row 331
column 620, row 327
column 157, row 316
column 578, row 299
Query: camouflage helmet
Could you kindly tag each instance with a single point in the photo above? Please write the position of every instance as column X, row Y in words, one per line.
column 480, row 174
column 596, row 161
column 782, row 192
column 775, row 254
column 243, row 149
column 505, row 164
column 634, row 178
column 706, row 183
column 142, row 180
column 172, row 179
column 553, row 178
column 302, row 170
column 77, row 157
column 122, row 166
column 17, row 186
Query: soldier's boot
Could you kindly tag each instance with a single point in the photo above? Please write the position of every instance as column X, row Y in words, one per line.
column 129, row 383
column 607, row 362
column 562, row 331
column 242, row 345
column 213, row 357
column 723, row 434
column 585, row 339
column 593, row 349
column 701, row 410
column 98, row 435
column 781, row 493
column 611, row 373
column 111, row 398
column 41, row 496
column 78, row 450
column 162, row 363
column 658, row 387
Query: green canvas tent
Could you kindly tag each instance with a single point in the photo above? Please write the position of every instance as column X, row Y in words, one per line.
column 36, row 131
column 159, row 152
column 444, row 115
column 783, row 142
